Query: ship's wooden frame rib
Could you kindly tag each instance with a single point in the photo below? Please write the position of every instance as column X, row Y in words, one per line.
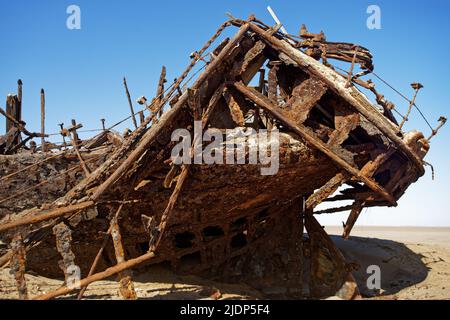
column 306, row 100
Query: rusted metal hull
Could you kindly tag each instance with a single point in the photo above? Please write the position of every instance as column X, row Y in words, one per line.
column 230, row 221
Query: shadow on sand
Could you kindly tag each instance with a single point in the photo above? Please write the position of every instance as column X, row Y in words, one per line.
column 400, row 267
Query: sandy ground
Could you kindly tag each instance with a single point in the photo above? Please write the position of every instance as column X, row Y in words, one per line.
column 414, row 264
column 156, row 284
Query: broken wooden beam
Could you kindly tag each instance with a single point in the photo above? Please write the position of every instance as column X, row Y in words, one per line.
column 141, row 117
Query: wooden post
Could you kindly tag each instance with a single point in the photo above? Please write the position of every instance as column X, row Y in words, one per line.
column 133, row 117
column 43, row 147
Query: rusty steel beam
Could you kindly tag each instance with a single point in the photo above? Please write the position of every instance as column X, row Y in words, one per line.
column 17, row 265
column 94, row 264
column 348, row 289
column 308, row 135
column 126, row 287
column 172, row 201
column 102, row 247
column 74, row 140
column 51, row 214
column 160, row 90
column 99, row 276
column 63, row 236
column 43, row 146
column 326, row 190
column 133, row 115
column 19, row 124
column 351, row 220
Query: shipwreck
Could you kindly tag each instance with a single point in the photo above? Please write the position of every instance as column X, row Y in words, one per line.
column 102, row 206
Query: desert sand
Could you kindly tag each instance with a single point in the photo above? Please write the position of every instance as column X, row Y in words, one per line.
column 414, row 264
column 414, row 261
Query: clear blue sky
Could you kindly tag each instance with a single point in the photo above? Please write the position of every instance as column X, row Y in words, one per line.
column 82, row 70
